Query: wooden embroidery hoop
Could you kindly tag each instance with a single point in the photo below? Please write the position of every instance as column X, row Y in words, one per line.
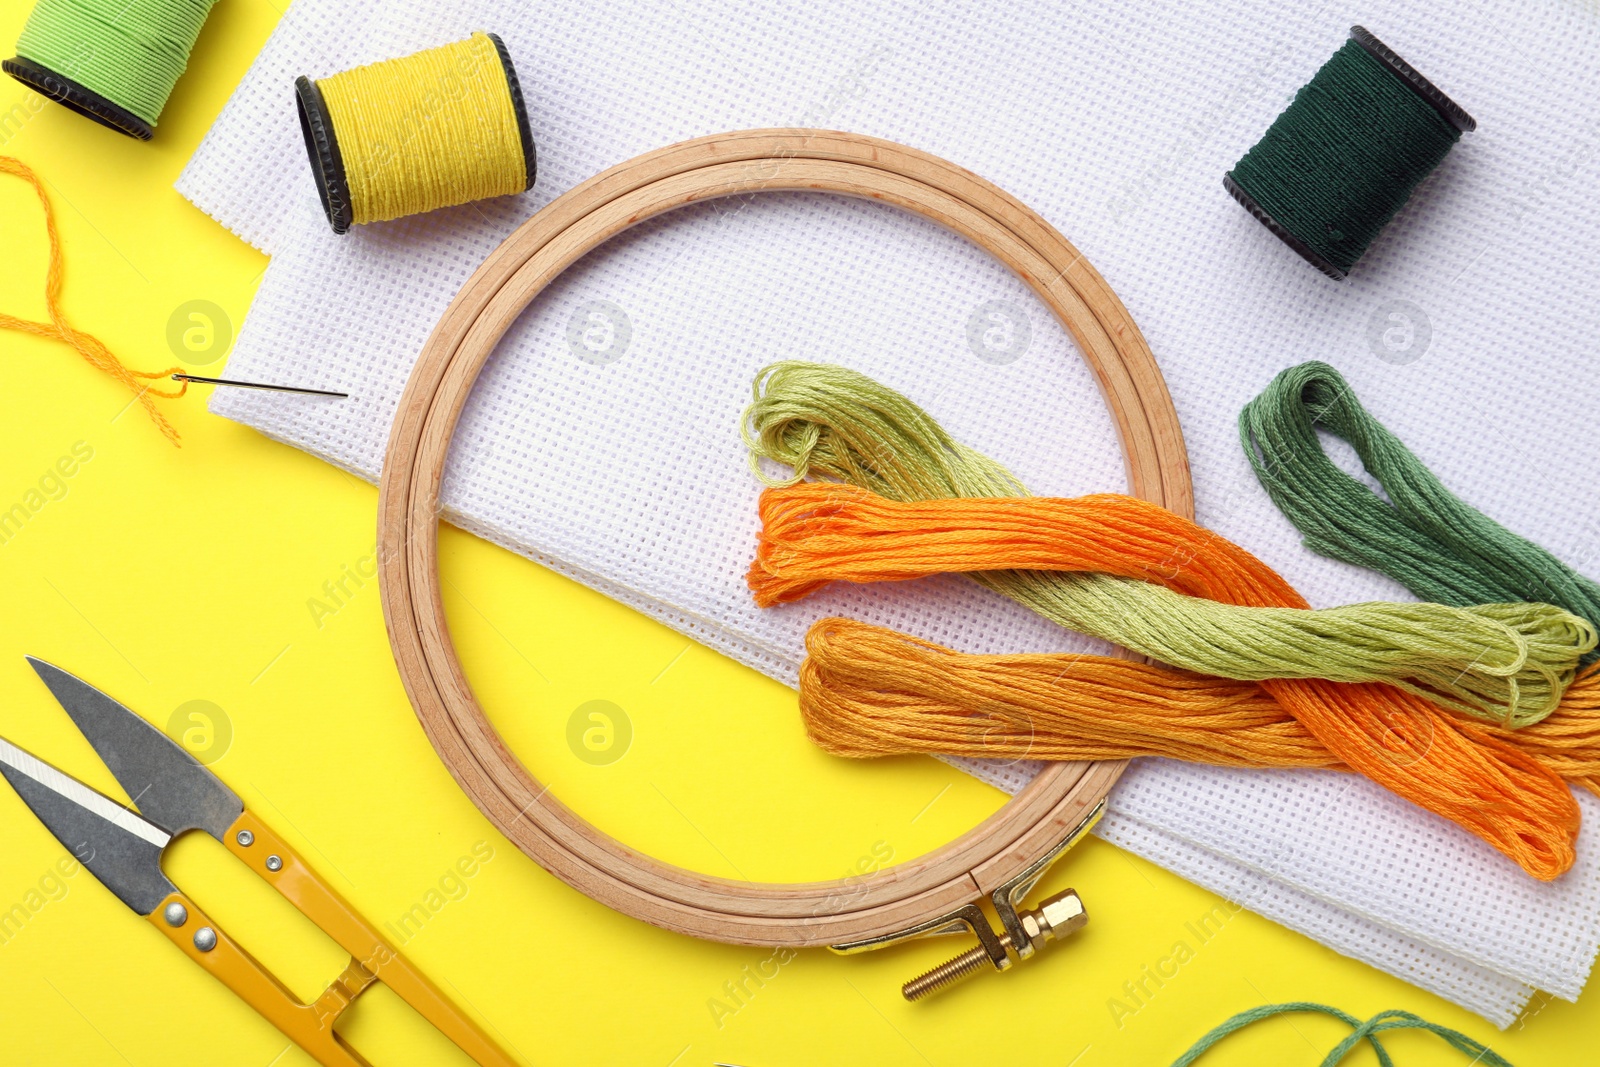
column 1001, row 857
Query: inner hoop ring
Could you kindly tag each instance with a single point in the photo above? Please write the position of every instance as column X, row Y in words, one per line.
column 813, row 913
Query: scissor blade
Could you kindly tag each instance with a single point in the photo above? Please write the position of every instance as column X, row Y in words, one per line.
column 119, row 848
column 170, row 787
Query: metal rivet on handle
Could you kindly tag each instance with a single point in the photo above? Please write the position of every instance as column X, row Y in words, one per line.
column 246, row 838
column 274, row 863
column 205, row 939
column 176, row 914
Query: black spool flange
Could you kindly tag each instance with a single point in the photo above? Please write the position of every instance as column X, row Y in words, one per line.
column 529, row 157
column 1448, row 109
column 77, row 97
column 1248, row 202
column 327, row 165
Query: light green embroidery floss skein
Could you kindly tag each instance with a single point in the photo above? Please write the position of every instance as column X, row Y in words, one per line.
column 114, row 61
column 1508, row 663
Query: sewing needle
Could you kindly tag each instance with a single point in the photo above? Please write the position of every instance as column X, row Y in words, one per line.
column 255, row 385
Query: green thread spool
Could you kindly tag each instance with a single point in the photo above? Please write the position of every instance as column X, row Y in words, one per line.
column 1336, row 166
column 114, row 61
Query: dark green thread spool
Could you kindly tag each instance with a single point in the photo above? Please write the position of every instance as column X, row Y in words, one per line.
column 1336, row 166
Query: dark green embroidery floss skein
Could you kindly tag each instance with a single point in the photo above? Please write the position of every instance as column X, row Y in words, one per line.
column 1336, row 166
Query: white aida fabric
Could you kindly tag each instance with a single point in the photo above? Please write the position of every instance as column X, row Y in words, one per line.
column 603, row 437
column 1482, row 989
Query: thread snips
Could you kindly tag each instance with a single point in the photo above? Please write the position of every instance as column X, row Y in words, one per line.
column 175, row 793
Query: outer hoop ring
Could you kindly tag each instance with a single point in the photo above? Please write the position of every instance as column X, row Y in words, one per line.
column 816, row 913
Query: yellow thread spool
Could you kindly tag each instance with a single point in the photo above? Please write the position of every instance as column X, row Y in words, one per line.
column 425, row 131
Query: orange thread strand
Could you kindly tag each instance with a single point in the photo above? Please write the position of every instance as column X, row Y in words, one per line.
column 815, row 533
column 58, row 329
column 867, row 691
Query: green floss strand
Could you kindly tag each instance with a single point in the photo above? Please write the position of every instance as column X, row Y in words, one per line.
column 1424, row 536
column 131, row 53
column 1337, row 165
column 1508, row 663
column 1383, row 1022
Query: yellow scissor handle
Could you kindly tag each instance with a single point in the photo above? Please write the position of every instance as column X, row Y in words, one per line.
column 308, row 1025
column 370, row 955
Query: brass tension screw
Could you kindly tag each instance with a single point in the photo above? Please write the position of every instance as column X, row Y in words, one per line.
column 1022, row 933
column 1054, row 919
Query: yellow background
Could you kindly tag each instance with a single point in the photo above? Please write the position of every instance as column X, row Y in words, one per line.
column 168, row 576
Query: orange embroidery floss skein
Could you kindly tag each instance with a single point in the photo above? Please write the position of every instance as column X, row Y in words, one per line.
column 867, row 691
